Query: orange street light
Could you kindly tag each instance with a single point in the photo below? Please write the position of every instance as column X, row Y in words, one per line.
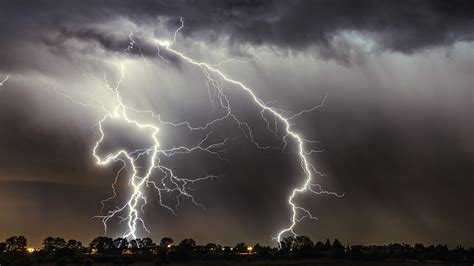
column 249, row 249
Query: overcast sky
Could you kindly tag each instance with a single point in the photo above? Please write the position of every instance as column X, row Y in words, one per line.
column 396, row 129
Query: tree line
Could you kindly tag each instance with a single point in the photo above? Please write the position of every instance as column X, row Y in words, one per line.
column 298, row 247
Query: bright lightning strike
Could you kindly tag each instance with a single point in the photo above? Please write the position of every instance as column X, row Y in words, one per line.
column 298, row 212
column 4, row 80
column 168, row 183
column 157, row 176
column 162, row 178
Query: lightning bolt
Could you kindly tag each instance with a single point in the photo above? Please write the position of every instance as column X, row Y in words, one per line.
column 137, row 201
column 298, row 212
column 162, row 178
column 157, row 176
column 4, row 80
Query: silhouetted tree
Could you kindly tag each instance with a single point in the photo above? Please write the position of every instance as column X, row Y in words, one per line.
column 212, row 249
column 240, row 248
column 419, row 252
column 165, row 248
column 327, row 245
column 286, row 246
column 186, row 248
column 337, row 249
column 302, row 241
column 263, row 251
column 146, row 245
column 337, row 244
column 73, row 247
column 319, row 246
column 120, row 244
column 188, row 242
column 73, row 244
column 53, row 245
column 134, row 244
column 146, row 242
column 166, row 241
column 15, row 244
column 303, row 246
column 291, row 247
column 228, row 251
column 102, row 244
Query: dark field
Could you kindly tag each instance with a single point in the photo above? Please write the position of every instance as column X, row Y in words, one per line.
column 253, row 263
column 308, row 263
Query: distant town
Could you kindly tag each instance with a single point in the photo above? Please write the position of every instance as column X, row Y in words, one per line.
column 291, row 251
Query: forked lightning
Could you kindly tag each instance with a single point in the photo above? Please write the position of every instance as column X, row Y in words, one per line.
column 162, row 178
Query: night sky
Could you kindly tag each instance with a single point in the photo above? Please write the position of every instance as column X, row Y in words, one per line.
column 395, row 131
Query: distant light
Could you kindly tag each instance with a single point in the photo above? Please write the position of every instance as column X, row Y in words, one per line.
column 249, row 249
column 168, row 246
column 30, row 250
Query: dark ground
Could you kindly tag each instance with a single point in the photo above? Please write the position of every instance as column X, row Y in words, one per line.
column 278, row 263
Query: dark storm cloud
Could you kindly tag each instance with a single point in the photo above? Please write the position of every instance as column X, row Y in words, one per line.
column 403, row 26
column 111, row 42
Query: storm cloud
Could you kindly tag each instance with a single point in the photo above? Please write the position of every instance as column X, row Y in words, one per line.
column 403, row 26
column 396, row 128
